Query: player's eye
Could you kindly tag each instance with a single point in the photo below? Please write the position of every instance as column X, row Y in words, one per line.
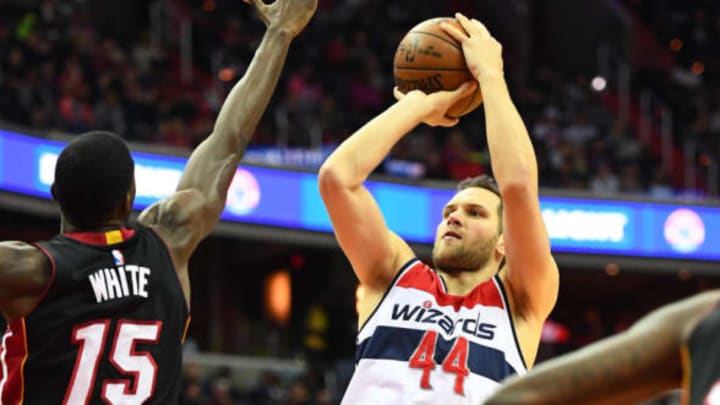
column 475, row 212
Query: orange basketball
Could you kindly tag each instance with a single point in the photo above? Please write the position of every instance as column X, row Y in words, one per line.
column 431, row 60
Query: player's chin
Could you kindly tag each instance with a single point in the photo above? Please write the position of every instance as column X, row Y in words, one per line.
column 444, row 259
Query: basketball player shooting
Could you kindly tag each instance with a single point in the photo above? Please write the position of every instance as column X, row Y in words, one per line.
column 98, row 313
column 677, row 346
column 447, row 335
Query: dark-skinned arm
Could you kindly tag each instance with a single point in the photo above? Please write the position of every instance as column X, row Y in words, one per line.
column 191, row 213
column 636, row 365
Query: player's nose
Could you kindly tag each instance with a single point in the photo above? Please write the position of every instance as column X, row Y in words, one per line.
column 453, row 219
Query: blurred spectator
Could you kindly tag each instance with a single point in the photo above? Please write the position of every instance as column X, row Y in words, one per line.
column 604, row 181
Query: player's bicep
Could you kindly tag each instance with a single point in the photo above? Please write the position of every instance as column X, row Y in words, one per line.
column 209, row 171
column 532, row 271
column 374, row 251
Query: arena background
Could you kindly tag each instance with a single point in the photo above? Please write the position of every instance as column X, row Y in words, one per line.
column 621, row 98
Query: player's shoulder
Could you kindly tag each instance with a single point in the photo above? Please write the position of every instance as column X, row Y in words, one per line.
column 23, row 252
column 24, row 262
column 414, row 273
column 678, row 319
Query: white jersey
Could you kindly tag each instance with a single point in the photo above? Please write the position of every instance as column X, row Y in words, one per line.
column 422, row 345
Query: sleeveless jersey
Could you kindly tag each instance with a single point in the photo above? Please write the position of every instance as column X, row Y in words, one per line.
column 108, row 330
column 422, row 345
column 704, row 367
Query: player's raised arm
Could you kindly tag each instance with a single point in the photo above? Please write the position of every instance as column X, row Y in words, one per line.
column 531, row 272
column 374, row 251
column 210, row 169
column 635, row 365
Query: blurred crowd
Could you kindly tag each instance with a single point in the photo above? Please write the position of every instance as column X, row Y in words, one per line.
column 63, row 69
column 60, row 71
column 220, row 387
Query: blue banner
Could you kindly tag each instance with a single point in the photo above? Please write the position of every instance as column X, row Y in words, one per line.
column 290, row 199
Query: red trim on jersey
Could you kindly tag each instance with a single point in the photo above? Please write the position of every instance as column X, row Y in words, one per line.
column 421, row 277
column 98, row 238
column 15, row 354
column 50, row 282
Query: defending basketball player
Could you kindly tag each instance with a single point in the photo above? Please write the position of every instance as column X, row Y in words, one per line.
column 677, row 346
column 98, row 313
column 451, row 334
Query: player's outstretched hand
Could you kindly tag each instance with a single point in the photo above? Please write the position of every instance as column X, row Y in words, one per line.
column 289, row 15
column 434, row 106
column 483, row 53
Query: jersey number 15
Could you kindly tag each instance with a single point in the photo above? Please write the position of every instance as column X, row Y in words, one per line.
column 91, row 337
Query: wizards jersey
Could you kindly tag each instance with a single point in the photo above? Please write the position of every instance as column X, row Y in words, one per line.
column 422, row 345
column 704, row 356
column 108, row 329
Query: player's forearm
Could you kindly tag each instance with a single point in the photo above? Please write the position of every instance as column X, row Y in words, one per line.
column 587, row 380
column 353, row 161
column 631, row 366
column 248, row 99
column 511, row 152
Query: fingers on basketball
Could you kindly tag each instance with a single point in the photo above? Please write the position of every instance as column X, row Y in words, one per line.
column 397, row 93
column 454, row 32
column 467, row 88
column 472, row 25
column 449, row 122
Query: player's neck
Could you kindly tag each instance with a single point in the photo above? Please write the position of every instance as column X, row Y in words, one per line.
column 461, row 283
column 67, row 227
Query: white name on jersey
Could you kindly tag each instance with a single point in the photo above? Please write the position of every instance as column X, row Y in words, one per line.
column 424, row 314
column 118, row 282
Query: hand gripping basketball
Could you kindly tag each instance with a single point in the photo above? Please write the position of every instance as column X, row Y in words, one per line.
column 430, row 60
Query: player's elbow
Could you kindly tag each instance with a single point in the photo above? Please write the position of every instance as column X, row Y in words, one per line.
column 519, row 185
column 332, row 177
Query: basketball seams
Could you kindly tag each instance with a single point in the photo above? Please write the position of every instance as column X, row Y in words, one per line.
column 433, row 61
column 449, row 42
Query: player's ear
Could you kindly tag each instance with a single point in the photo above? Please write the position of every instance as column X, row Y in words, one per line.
column 500, row 247
column 130, row 197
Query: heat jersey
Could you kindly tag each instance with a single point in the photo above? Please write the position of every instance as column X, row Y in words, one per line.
column 422, row 345
column 108, row 329
column 704, row 366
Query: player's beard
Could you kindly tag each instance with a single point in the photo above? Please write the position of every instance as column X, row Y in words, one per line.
column 456, row 259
